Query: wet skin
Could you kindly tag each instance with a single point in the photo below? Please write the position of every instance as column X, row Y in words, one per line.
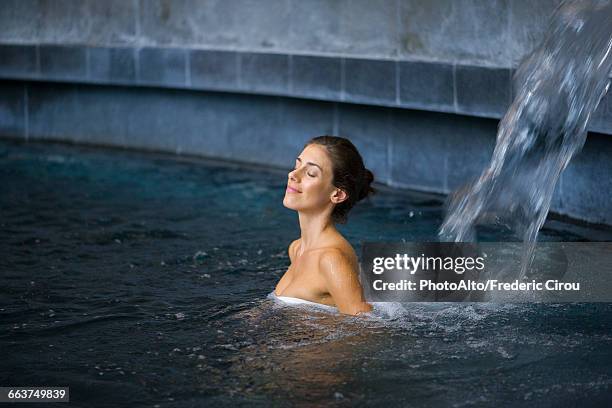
column 324, row 267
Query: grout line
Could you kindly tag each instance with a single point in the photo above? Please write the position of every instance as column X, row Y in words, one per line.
column 137, row 20
column 455, row 105
column 138, row 41
column 398, row 26
column 26, row 117
column 397, row 82
column 398, row 41
column 342, row 78
column 336, row 125
column 390, row 148
column 509, row 26
column 290, row 73
column 445, row 182
column 239, row 69
column 560, row 184
column 38, row 70
column 137, row 63
column 187, row 67
column 87, row 63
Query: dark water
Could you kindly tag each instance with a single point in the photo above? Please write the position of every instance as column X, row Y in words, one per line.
column 138, row 280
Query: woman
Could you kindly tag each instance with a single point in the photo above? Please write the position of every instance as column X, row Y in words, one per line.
column 328, row 179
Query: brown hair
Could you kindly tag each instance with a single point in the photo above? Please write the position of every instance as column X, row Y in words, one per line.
column 349, row 173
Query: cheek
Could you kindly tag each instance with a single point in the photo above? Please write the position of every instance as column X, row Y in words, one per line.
column 316, row 189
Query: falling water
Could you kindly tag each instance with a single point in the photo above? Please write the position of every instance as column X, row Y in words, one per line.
column 558, row 86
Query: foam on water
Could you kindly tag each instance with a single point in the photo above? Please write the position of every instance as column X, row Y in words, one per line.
column 178, row 309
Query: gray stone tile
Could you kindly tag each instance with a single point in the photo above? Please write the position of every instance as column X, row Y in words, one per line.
column 281, row 125
column 315, row 26
column 261, row 24
column 369, row 27
column 214, row 69
column 528, row 24
column 372, row 81
column 145, row 118
column 514, row 86
column 369, row 128
column 419, row 147
column 317, row 77
column 182, row 21
column 63, row 62
column 162, row 66
column 267, row 73
column 112, row 64
column 586, row 182
column 109, row 22
column 253, row 24
column 180, row 121
column 426, row 84
column 602, row 117
column 18, row 61
column 556, row 204
column 471, row 145
column 299, row 121
column 12, row 109
column 206, row 121
column 464, row 31
column 482, row 91
column 86, row 114
column 20, row 21
column 230, row 126
column 253, row 132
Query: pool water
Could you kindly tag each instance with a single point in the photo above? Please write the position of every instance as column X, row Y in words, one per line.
column 142, row 280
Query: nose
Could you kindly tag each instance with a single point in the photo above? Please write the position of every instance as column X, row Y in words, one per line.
column 293, row 175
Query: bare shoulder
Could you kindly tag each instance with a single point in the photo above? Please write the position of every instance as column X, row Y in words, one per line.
column 335, row 260
column 339, row 250
column 339, row 268
column 293, row 249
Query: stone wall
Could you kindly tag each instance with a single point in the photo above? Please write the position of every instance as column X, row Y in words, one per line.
column 427, row 151
column 419, row 86
column 475, row 32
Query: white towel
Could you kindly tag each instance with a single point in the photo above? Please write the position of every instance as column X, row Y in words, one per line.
column 297, row 301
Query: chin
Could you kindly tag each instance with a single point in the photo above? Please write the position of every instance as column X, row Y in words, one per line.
column 287, row 203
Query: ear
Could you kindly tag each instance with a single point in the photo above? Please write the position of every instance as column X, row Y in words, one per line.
column 338, row 196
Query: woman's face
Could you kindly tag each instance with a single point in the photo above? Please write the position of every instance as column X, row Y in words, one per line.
column 309, row 185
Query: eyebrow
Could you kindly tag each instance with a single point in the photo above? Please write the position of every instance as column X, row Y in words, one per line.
column 309, row 163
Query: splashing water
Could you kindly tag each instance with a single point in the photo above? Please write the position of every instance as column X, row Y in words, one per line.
column 558, row 86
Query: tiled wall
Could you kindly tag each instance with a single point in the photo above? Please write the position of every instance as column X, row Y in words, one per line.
column 429, row 151
column 429, row 86
column 418, row 85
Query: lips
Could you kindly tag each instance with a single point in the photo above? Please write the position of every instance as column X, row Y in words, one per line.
column 292, row 190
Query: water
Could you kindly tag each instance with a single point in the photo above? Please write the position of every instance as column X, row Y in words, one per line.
column 557, row 88
column 141, row 280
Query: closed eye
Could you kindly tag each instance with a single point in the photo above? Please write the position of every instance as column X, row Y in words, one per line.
column 298, row 161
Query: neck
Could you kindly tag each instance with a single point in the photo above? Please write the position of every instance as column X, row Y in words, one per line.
column 313, row 227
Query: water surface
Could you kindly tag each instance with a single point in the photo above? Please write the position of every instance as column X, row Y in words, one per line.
column 141, row 280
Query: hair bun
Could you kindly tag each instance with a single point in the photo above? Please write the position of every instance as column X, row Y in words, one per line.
column 349, row 173
column 366, row 189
